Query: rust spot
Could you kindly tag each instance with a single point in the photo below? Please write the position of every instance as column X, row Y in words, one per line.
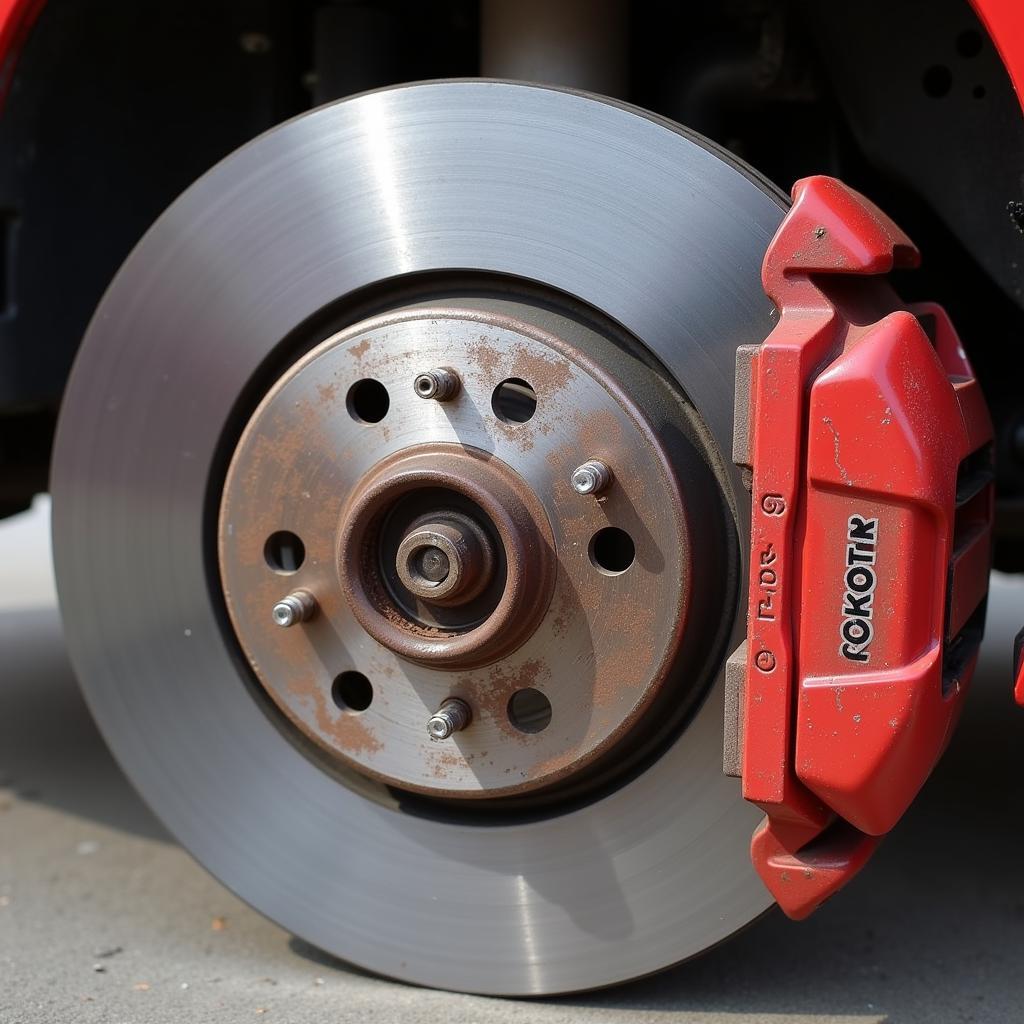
column 487, row 358
column 601, row 430
column 353, row 736
column 445, row 762
column 348, row 730
column 521, row 434
column 489, row 692
column 359, row 350
column 523, row 677
column 564, row 612
column 547, row 374
column 327, row 392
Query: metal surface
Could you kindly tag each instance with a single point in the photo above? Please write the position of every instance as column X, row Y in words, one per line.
column 445, row 558
column 625, row 212
column 382, row 499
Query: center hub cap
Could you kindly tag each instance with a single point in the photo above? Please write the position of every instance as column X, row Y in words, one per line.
column 483, row 546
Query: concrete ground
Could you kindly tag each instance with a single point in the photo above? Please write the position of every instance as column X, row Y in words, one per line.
column 103, row 918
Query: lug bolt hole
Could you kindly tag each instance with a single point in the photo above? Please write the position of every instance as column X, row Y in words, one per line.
column 529, row 710
column 352, row 691
column 284, row 552
column 368, row 401
column 612, row 550
column 514, row 401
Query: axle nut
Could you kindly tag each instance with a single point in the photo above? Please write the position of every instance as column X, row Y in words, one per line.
column 445, row 558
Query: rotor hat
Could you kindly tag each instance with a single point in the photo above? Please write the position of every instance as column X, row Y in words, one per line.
column 464, row 561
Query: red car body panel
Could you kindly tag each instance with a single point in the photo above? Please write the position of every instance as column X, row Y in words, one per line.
column 1004, row 20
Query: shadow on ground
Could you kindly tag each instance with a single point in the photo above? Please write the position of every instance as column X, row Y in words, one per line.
column 50, row 749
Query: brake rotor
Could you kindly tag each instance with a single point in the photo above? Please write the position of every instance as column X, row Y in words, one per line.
column 574, row 277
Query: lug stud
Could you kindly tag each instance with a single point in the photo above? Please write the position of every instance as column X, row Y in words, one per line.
column 298, row 606
column 592, row 477
column 452, row 716
column 441, row 384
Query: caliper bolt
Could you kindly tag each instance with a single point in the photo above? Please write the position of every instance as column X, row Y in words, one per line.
column 298, row 606
column 452, row 716
column 592, row 477
column 441, row 384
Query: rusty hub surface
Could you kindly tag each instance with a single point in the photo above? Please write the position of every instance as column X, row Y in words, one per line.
column 451, row 556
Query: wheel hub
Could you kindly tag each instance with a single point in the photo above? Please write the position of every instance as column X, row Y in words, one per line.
column 468, row 564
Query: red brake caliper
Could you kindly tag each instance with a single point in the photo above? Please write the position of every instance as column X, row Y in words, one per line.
column 870, row 449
